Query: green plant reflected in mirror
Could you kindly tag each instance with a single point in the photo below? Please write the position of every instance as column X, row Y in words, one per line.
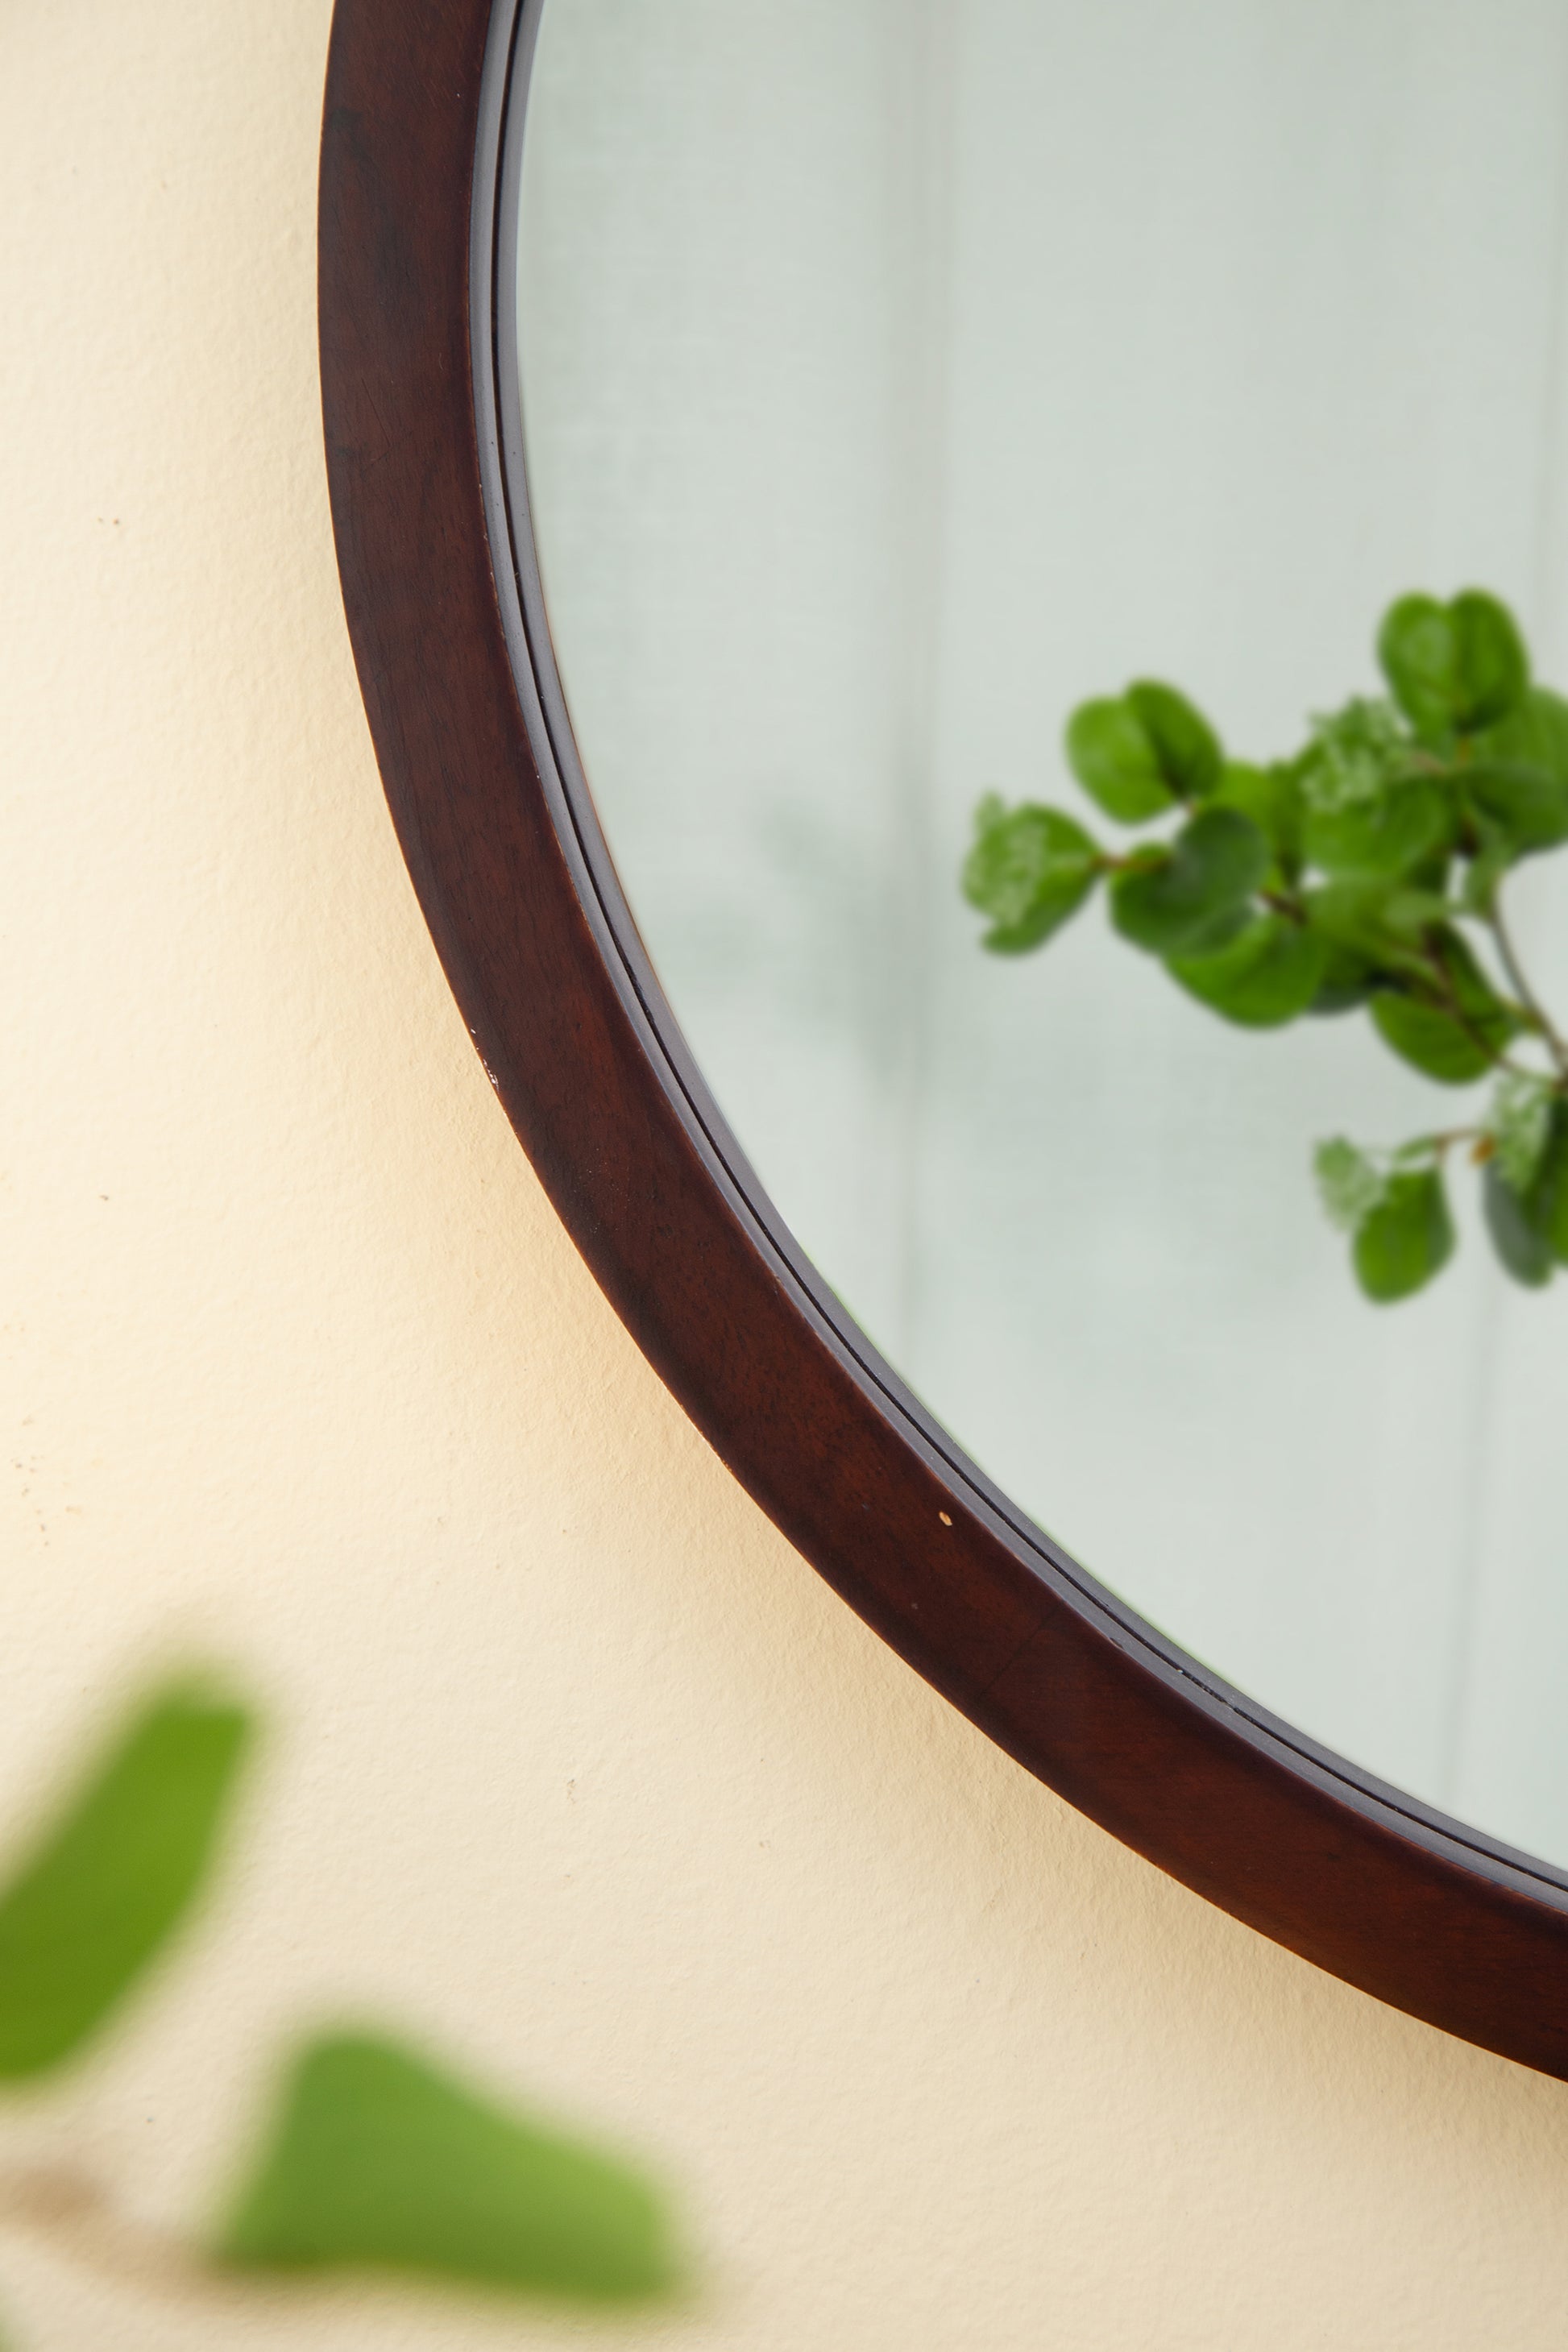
column 1346, row 877
column 899, row 379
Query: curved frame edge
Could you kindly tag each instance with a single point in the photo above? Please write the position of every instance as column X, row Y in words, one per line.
column 1379, row 1890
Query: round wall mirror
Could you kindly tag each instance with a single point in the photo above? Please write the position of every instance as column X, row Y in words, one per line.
column 962, row 607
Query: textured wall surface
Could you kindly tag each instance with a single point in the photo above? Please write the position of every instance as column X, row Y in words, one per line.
column 576, row 1769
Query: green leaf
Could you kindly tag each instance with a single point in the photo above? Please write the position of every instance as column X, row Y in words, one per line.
column 1187, row 750
column 1348, row 1184
column 1522, row 1106
column 1533, row 735
column 1492, row 664
column 1271, row 797
column 1355, row 753
column 1519, row 781
column 1519, row 1243
column 1453, row 1031
column 1483, row 874
column 1112, row 753
column 1529, row 1228
column 113, row 1877
column 1354, row 917
column 1453, row 668
column 1412, row 914
column 1382, row 835
column 1405, row 1239
column 1430, row 1040
column 1550, row 1190
column 1346, row 983
column 1528, row 808
column 1417, row 655
column 377, row 2161
column 1535, row 732
column 1266, row 976
column 1193, row 895
column 1029, row 871
column 1368, row 809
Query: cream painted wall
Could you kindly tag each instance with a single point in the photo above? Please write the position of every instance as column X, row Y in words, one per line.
column 577, row 1767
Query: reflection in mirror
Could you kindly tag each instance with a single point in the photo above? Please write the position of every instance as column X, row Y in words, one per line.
column 899, row 376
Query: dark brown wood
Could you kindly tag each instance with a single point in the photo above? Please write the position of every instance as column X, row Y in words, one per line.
column 1370, row 1885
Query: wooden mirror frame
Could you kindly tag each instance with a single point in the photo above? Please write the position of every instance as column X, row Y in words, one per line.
column 440, row 582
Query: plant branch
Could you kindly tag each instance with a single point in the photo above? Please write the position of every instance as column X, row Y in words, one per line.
column 1496, row 1055
column 74, row 2210
column 1443, row 1142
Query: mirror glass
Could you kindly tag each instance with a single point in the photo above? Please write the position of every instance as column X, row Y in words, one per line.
column 899, row 377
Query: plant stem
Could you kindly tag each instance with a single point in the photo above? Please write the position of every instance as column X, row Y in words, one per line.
column 1495, row 1055
column 1446, row 1141
column 1280, row 902
column 68, row 2206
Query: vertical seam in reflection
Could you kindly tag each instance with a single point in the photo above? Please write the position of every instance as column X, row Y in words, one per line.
column 1544, row 615
column 929, row 198
column 1477, row 1488
column 1458, row 1713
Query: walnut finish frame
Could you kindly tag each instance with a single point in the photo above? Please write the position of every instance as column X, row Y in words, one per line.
column 420, row 149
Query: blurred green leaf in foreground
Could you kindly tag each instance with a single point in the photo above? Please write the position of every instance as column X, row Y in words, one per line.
column 375, row 2161
column 113, row 1874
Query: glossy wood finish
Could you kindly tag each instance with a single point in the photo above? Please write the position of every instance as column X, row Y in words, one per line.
column 521, row 898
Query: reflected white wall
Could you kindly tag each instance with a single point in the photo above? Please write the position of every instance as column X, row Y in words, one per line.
column 897, row 372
